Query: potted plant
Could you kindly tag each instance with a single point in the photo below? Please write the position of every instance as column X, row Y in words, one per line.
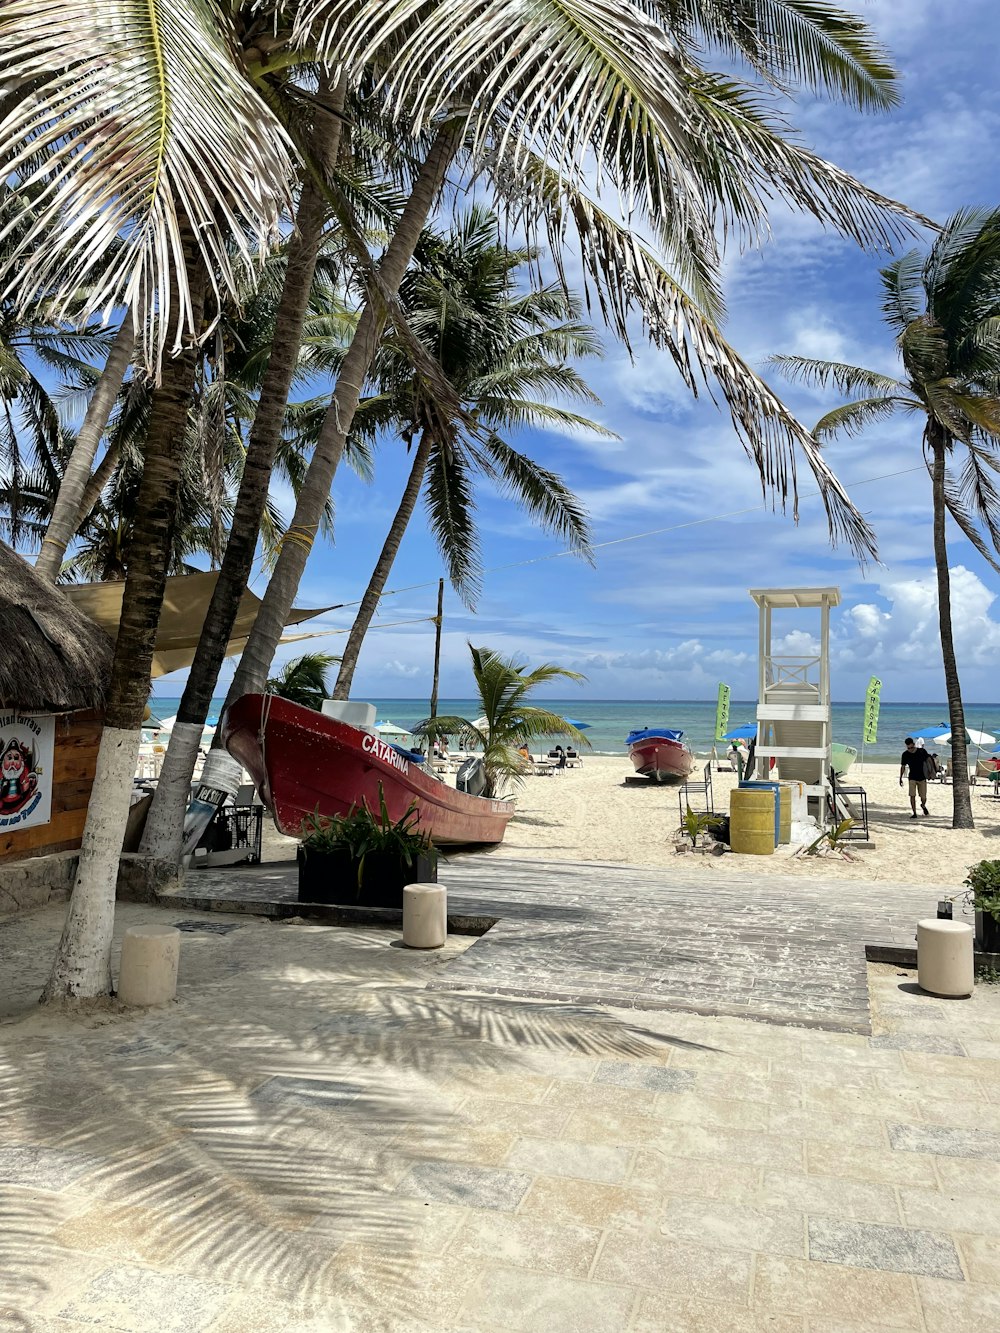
column 983, row 883
column 362, row 858
column 697, row 826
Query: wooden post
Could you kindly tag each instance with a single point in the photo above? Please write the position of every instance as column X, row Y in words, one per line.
column 437, row 648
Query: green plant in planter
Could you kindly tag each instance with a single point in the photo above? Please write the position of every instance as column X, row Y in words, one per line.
column 697, row 822
column 362, row 833
column 835, row 838
column 983, row 883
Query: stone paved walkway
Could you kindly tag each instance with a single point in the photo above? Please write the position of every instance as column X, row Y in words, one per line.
column 785, row 949
column 315, row 1139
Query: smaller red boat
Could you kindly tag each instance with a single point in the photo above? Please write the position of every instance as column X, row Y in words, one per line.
column 304, row 762
column 659, row 754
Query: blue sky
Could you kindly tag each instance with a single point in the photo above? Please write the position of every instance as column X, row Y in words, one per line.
column 668, row 616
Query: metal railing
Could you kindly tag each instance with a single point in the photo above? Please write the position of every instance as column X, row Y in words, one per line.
column 793, row 671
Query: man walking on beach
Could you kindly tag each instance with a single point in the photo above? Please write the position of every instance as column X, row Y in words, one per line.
column 915, row 760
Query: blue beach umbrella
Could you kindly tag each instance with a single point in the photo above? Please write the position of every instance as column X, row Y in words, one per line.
column 574, row 722
column 746, row 733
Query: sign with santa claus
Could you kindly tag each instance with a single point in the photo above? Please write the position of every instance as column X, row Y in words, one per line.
column 27, row 744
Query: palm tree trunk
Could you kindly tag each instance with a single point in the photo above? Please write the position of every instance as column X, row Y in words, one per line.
column 438, row 621
column 382, row 570
column 961, row 794
column 255, row 663
column 163, row 834
column 82, row 967
column 69, row 505
column 102, row 475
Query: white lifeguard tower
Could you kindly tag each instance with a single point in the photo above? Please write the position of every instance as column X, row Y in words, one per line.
column 793, row 697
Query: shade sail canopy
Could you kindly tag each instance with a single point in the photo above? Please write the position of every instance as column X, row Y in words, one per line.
column 185, row 605
column 575, row 722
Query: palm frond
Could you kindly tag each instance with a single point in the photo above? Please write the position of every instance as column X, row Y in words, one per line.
column 148, row 131
column 844, row 378
column 854, row 418
column 799, row 42
column 903, row 297
column 541, row 493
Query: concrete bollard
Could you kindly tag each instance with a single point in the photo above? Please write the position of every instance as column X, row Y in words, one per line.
column 945, row 958
column 425, row 916
column 150, row 955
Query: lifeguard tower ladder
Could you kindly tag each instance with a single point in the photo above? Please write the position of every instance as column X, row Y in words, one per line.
column 793, row 708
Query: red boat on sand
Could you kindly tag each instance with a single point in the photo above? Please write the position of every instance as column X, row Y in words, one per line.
column 659, row 754
column 303, row 762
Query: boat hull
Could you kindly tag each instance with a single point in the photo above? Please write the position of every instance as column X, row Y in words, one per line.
column 661, row 760
column 304, row 763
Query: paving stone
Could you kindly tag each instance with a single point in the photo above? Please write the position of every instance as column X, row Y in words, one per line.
column 945, row 1141
column 203, row 927
column 474, row 1186
column 666, row 1264
column 828, row 1291
column 588, row 1203
column 850, row 1199
column 670, row 1314
column 954, row 1211
column 917, row 1041
column 43, row 1168
column 513, row 1299
column 950, row 1307
column 734, row 1226
column 142, row 1301
column 651, row 1077
column 869, row 1164
column 735, row 1181
column 292, row 1090
column 898, row 1249
column 561, row 1157
column 525, row 1242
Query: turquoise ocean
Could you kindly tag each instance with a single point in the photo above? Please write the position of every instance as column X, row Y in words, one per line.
column 612, row 719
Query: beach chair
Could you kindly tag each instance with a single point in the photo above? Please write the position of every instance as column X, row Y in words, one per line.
column 573, row 759
column 690, row 789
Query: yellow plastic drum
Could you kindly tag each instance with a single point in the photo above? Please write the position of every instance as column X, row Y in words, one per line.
column 751, row 821
column 785, row 812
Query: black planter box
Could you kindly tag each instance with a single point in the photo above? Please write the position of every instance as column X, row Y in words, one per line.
column 987, row 933
column 332, row 877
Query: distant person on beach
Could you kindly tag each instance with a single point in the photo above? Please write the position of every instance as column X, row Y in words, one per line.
column 562, row 756
column 915, row 762
column 524, row 752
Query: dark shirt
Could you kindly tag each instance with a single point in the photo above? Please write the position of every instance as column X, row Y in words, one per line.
column 915, row 760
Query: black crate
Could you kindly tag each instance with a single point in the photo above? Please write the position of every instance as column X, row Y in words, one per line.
column 233, row 828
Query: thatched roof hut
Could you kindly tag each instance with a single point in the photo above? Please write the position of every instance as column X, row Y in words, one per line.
column 53, row 659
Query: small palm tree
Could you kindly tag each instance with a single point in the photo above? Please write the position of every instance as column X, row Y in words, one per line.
column 944, row 308
column 303, row 680
column 508, row 721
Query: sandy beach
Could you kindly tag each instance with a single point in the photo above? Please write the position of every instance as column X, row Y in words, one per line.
column 589, row 814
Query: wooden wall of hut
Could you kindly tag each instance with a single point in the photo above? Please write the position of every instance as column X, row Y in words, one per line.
column 77, row 738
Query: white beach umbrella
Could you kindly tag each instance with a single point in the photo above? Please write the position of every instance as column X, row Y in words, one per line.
column 390, row 732
column 978, row 738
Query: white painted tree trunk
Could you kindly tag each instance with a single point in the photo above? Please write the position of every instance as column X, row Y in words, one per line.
column 83, row 963
column 162, row 837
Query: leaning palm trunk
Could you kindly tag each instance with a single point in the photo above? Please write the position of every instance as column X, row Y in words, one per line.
column 70, row 506
column 83, row 963
column 164, row 829
column 255, row 663
column 961, row 795
column 95, row 486
column 382, row 570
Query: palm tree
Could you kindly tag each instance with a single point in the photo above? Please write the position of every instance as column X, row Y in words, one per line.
column 303, row 680
column 508, row 721
column 628, row 89
column 498, row 348
column 689, row 153
column 944, row 308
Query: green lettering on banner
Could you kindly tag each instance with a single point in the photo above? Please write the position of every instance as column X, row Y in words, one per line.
column 871, row 710
column 722, row 712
